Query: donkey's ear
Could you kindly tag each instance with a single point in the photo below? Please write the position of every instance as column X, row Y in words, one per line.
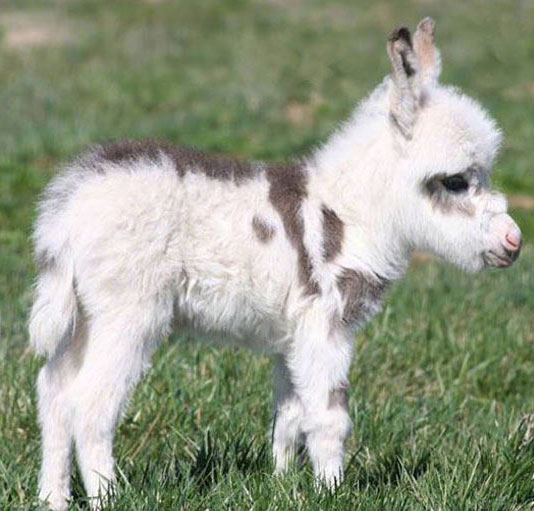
column 404, row 93
column 427, row 54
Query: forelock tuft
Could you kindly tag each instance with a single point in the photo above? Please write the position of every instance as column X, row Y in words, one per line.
column 482, row 131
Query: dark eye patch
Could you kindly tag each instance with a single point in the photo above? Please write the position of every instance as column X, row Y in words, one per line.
column 445, row 192
column 456, row 183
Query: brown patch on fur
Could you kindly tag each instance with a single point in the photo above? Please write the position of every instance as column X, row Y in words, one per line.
column 185, row 159
column 338, row 398
column 360, row 292
column 263, row 230
column 287, row 192
column 333, row 232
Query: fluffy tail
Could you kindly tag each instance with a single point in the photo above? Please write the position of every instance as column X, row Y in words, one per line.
column 53, row 315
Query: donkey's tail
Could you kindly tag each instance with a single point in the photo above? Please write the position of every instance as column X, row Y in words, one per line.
column 53, row 315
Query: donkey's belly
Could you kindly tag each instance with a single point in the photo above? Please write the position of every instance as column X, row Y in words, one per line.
column 216, row 313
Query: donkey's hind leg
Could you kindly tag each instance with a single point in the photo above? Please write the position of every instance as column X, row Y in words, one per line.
column 119, row 347
column 55, row 416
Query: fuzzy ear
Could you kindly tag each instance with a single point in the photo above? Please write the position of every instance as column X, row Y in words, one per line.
column 404, row 94
column 427, row 54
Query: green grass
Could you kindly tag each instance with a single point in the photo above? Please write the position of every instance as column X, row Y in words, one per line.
column 442, row 377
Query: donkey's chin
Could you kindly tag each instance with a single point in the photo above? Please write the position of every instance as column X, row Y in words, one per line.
column 494, row 259
column 469, row 264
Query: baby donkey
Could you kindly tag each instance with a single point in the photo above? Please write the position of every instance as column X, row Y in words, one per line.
column 136, row 238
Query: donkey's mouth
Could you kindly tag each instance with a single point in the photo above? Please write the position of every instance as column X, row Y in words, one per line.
column 494, row 260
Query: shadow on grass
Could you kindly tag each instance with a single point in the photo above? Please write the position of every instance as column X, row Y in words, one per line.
column 214, row 459
column 387, row 469
column 210, row 462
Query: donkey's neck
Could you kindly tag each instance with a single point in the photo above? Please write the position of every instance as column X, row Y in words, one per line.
column 351, row 175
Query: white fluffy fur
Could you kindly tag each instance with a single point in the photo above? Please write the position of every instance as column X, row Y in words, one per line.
column 135, row 249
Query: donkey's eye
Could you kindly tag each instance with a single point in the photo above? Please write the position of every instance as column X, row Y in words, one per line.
column 456, row 183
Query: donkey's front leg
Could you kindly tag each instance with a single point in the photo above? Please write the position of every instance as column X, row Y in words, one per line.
column 319, row 368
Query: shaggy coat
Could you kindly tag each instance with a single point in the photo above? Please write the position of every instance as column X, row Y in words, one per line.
column 135, row 239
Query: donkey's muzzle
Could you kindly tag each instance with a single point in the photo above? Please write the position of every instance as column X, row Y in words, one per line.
column 507, row 255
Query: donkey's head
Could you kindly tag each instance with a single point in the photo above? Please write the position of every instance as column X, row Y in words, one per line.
column 447, row 145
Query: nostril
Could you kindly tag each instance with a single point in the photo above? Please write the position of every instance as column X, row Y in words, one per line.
column 513, row 241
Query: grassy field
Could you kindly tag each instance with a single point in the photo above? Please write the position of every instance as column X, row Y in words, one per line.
column 443, row 381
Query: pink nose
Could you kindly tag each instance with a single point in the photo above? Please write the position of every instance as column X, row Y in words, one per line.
column 512, row 243
column 513, row 240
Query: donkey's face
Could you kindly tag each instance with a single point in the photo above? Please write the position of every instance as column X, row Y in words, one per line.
column 448, row 144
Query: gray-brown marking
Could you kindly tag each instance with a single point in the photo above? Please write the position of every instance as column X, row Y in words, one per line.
column 185, row 159
column 287, row 191
column 361, row 294
column 444, row 200
column 338, row 398
column 403, row 34
column 333, row 232
column 45, row 261
column 263, row 230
